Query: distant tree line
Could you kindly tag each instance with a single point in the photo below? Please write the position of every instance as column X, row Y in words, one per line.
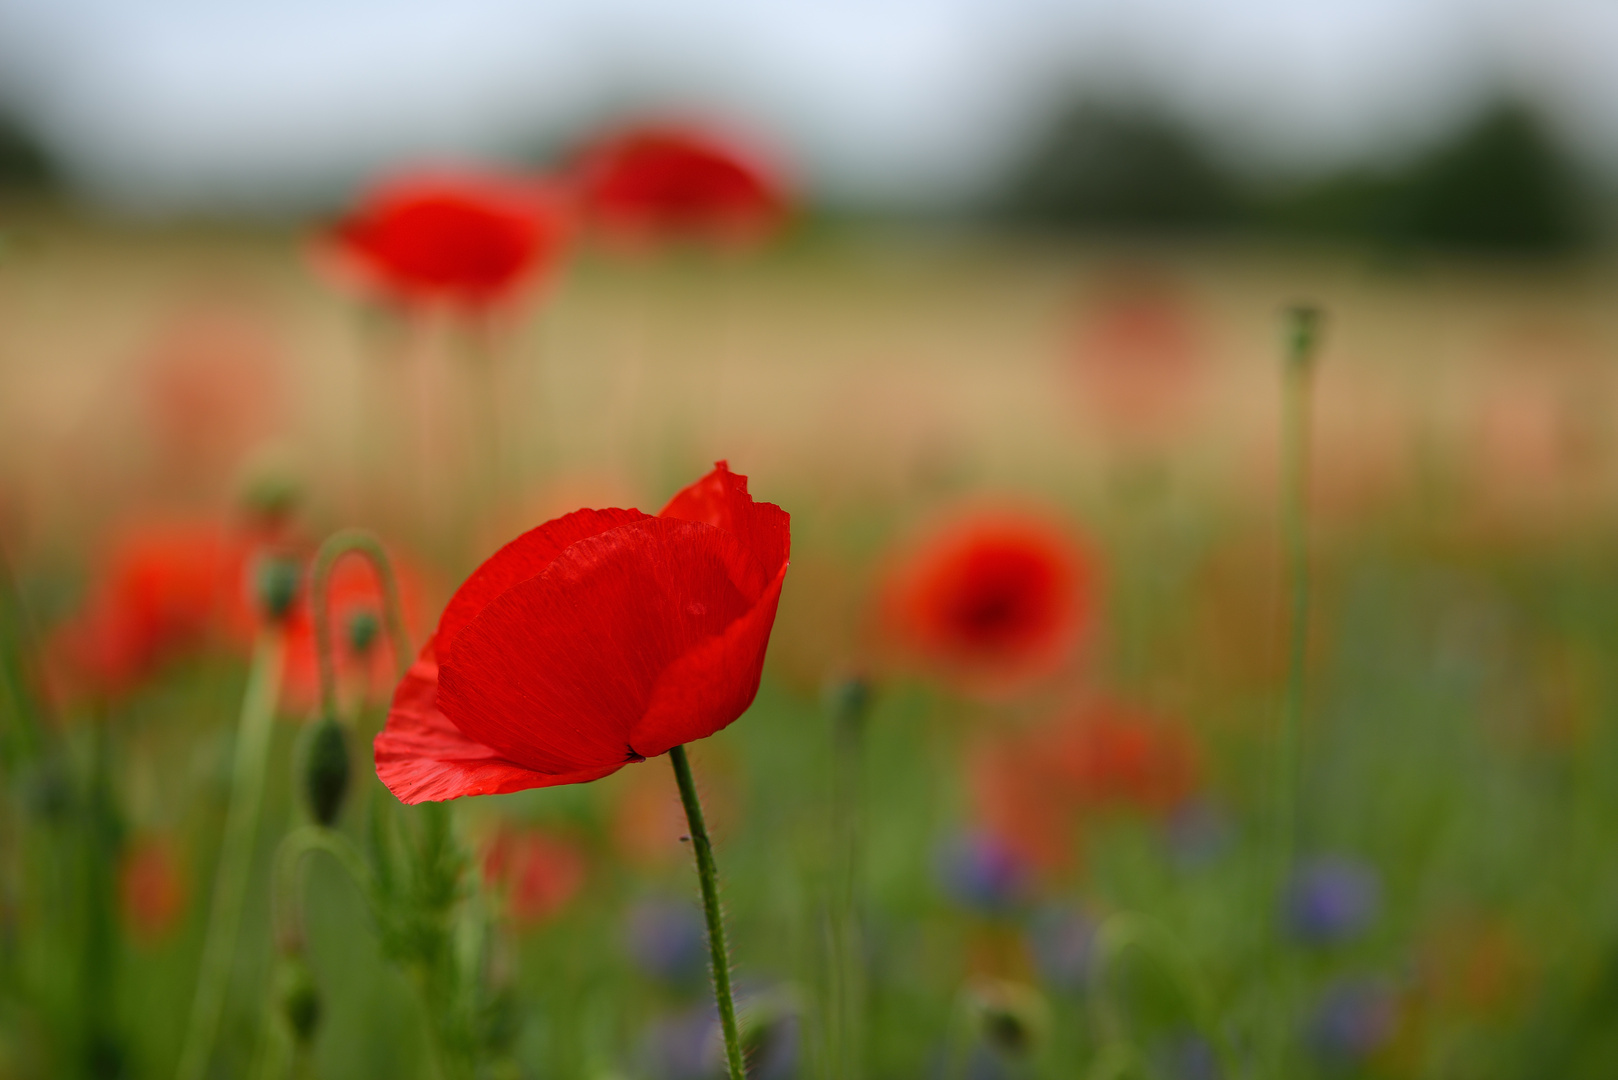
column 1501, row 183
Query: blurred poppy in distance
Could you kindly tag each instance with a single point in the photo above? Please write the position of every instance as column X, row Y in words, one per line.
column 601, row 638
column 994, row 600
column 1036, row 788
column 151, row 888
column 537, row 872
column 163, row 588
column 470, row 240
column 666, row 182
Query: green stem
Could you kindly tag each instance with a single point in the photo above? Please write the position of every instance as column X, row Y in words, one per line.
column 1303, row 334
column 101, row 1046
column 338, row 544
column 708, row 877
column 235, row 854
column 846, row 1008
column 19, row 674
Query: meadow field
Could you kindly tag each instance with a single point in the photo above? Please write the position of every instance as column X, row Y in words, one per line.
column 934, row 864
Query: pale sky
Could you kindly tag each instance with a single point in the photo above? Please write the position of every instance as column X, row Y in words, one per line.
column 182, row 103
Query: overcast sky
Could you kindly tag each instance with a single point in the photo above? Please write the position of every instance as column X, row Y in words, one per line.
column 281, row 102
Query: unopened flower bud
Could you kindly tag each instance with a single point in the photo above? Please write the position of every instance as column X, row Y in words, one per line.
column 1010, row 1017
column 270, row 499
column 299, row 999
column 363, row 626
column 325, row 770
column 849, row 699
column 275, row 581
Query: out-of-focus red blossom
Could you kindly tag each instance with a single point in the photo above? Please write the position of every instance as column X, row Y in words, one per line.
column 1035, row 788
column 668, row 182
column 355, row 593
column 538, row 872
column 151, row 888
column 1139, row 353
column 162, row 589
column 993, row 600
column 469, row 240
column 211, row 382
column 598, row 639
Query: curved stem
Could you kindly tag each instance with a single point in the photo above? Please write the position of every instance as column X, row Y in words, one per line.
column 708, row 878
column 236, row 853
column 1127, row 930
column 338, row 544
column 287, row 910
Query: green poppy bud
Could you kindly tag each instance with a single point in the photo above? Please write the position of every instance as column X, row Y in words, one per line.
column 325, row 770
column 1010, row 1017
column 363, row 626
column 299, row 999
column 275, row 581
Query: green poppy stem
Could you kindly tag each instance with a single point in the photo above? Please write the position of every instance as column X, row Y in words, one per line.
column 235, row 854
column 708, row 877
column 1302, row 341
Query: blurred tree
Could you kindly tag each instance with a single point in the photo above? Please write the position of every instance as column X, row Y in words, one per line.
column 24, row 163
column 1500, row 184
column 1121, row 168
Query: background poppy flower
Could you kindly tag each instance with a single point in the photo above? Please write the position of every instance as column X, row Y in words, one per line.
column 993, row 600
column 163, row 589
column 1035, row 788
column 151, row 888
column 467, row 239
column 668, row 182
column 598, row 639
column 538, row 872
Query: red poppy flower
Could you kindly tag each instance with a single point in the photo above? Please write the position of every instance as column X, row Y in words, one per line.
column 364, row 653
column 1140, row 353
column 151, row 888
column 598, row 639
column 467, row 239
column 164, row 589
column 666, row 182
column 1036, row 787
column 994, row 600
column 538, row 873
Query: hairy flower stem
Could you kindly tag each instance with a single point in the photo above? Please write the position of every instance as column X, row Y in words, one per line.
column 235, row 854
column 708, row 877
column 1302, row 340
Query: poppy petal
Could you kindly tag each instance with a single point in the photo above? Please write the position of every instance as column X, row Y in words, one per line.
column 720, row 499
column 526, row 557
column 422, row 757
column 558, row 671
column 713, row 684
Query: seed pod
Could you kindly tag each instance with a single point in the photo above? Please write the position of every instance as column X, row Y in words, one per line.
column 325, row 770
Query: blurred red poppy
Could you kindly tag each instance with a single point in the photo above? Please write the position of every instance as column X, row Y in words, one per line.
column 163, row 589
column 151, row 888
column 993, row 600
column 363, row 651
column 1035, row 788
column 598, row 639
column 669, row 182
column 537, row 872
column 467, row 239
column 1140, row 353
